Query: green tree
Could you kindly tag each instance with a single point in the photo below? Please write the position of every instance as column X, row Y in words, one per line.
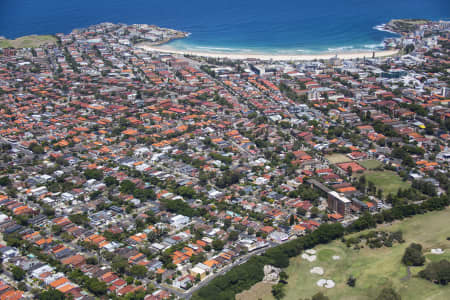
column 413, row 255
column 278, row 291
column 92, row 260
column 127, row 187
column 233, row 236
column 93, row 174
column 96, row 286
column 110, row 181
column 284, row 277
column 438, row 272
column 291, row 220
column 119, row 264
column 217, row 245
column 18, row 273
column 36, row 149
column 138, row 271
column 51, row 294
column 4, row 181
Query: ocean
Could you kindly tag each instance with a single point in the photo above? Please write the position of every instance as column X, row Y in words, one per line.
column 283, row 26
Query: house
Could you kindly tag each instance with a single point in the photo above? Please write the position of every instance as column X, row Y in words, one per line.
column 278, row 236
column 196, row 271
column 179, row 221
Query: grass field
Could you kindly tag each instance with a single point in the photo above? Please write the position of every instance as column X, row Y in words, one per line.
column 29, row 41
column 388, row 181
column 337, row 158
column 261, row 290
column 373, row 268
column 370, row 164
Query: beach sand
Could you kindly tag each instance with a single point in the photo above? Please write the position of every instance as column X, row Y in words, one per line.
column 273, row 57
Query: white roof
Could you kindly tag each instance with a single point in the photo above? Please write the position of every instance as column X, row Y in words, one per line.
column 340, row 197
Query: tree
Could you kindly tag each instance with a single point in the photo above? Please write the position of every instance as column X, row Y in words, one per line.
column 226, row 224
column 314, row 212
column 96, row 286
column 93, row 174
column 409, row 48
column 36, row 149
column 110, row 181
column 4, row 181
column 22, row 286
column 79, row 219
column 138, row 271
column 388, row 294
column 350, row 171
column 438, row 272
column 18, row 273
column 291, row 220
column 92, row 260
column 413, row 255
column 233, row 236
column 127, row 187
column 195, row 259
column 278, row 291
column 119, row 265
column 301, row 211
column 186, row 191
column 51, row 294
column 284, row 277
column 217, row 245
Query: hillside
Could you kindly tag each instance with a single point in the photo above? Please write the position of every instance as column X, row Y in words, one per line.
column 29, row 41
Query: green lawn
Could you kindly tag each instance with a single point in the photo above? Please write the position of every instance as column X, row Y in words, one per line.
column 370, row 164
column 29, row 41
column 373, row 268
column 388, row 181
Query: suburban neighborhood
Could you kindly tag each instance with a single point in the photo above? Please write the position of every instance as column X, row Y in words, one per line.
column 126, row 172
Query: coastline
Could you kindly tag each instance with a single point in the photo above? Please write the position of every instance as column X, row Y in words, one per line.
column 267, row 56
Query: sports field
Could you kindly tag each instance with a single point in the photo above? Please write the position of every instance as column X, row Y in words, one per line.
column 388, row 181
column 337, row 158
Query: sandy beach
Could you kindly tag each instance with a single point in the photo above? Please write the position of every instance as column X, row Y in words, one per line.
column 274, row 57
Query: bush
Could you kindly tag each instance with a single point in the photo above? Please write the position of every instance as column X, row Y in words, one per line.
column 351, row 281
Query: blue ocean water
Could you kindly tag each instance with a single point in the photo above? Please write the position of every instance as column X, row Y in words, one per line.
column 229, row 25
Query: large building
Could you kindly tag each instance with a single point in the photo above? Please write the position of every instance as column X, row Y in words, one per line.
column 338, row 203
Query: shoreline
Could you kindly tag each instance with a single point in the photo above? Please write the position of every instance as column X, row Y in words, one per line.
column 267, row 56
